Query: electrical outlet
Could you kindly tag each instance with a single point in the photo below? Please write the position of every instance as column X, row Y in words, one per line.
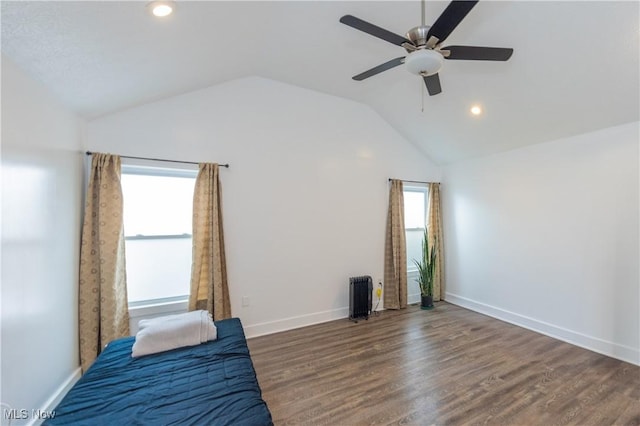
column 378, row 289
column 245, row 301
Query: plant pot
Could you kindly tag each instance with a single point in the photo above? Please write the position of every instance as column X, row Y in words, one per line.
column 426, row 302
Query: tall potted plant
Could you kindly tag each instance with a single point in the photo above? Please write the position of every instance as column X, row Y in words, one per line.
column 426, row 269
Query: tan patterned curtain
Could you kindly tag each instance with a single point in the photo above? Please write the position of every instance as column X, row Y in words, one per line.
column 103, row 310
column 209, row 288
column 434, row 227
column 395, row 251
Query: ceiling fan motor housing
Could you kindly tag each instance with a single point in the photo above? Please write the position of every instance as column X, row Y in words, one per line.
column 418, row 35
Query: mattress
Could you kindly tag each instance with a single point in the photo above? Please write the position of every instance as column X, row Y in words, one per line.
column 210, row 384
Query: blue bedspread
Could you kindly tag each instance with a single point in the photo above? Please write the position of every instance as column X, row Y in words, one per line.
column 210, row 384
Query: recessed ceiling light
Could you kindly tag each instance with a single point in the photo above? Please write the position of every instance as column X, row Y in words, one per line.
column 161, row 8
column 476, row 110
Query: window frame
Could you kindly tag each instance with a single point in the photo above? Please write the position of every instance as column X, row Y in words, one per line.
column 169, row 304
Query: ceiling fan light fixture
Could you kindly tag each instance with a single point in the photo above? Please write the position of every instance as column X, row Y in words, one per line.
column 161, row 8
column 424, row 62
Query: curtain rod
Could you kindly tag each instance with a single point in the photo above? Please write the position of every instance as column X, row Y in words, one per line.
column 413, row 181
column 159, row 159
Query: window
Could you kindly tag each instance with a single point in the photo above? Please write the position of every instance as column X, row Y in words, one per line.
column 415, row 217
column 158, row 205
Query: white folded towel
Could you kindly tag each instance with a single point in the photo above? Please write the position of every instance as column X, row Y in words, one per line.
column 190, row 319
column 173, row 331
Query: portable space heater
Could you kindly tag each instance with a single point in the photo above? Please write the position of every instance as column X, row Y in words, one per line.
column 360, row 289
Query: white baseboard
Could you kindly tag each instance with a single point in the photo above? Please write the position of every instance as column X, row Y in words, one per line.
column 57, row 396
column 614, row 350
column 290, row 323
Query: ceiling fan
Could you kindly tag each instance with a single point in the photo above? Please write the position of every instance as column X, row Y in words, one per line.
column 425, row 54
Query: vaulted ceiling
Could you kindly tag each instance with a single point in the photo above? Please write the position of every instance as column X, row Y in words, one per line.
column 575, row 67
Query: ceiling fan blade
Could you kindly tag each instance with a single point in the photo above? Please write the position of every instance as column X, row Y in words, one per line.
column 380, row 68
column 433, row 84
column 374, row 30
column 476, row 53
column 450, row 18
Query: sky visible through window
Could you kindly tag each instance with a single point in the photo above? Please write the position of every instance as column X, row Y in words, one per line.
column 157, row 205
column 414, row 213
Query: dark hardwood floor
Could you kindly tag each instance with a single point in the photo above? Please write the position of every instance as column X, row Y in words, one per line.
column 445, row 366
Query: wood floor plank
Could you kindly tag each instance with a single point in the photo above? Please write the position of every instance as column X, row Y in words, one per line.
column 445, row 366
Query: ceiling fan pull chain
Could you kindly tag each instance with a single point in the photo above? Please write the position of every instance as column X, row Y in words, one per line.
column 422, row 95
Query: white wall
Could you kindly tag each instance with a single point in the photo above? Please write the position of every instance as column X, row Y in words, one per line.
column 547, row 237
column 41, row 201
column 306, row 196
